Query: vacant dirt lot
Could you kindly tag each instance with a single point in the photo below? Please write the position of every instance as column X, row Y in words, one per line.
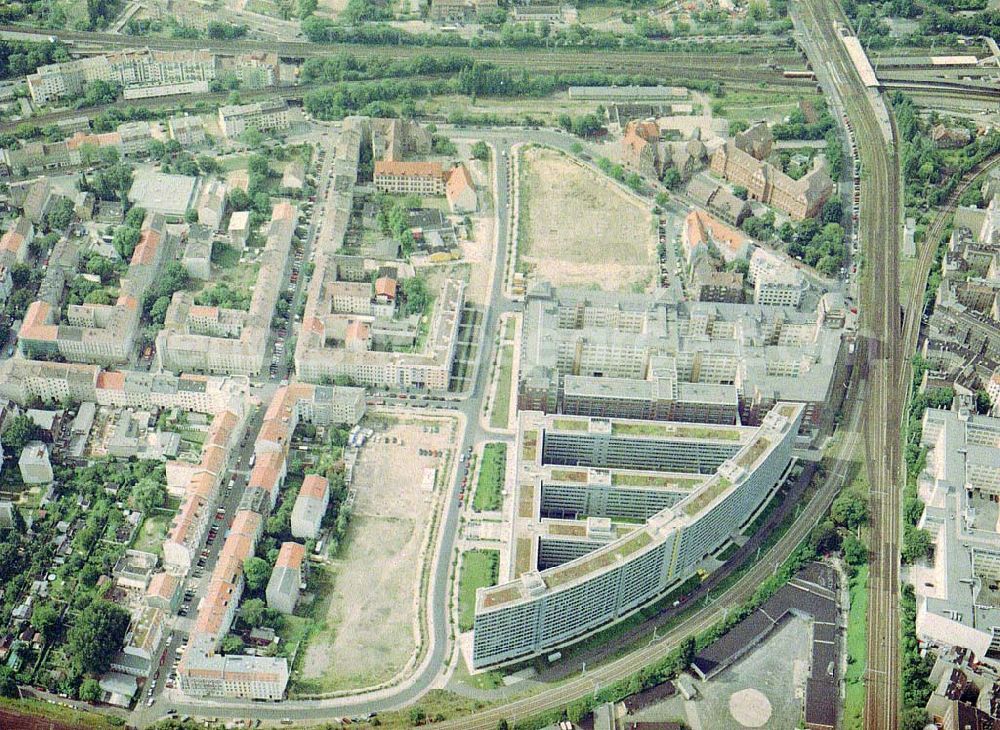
column 370, row 632
column 578, row 229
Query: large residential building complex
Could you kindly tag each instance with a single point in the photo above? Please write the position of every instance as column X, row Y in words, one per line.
column 24, row 380
column 639, row 356
column 695, row 486
column 203, row 671
column 348, row 329
column 418, row 178
column 145, row 73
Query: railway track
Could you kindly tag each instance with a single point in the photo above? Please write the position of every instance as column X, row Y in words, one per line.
column 880, row 232
column 306, row 49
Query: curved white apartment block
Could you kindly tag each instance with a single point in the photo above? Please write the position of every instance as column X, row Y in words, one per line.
column 538, row 611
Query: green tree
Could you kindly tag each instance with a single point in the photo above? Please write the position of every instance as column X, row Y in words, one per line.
column 148, row 494
column 191, row 216
column 855, row 552
column 232, row 644
column 90, row 690
column 21, row 430
column 252, row 612
column 850, row 509
column 45, row 619
column 917, row 544
column 8, row 683
column 671, row 178
column 481, row 151
column 96, row 635
column 417, row 715
column 60, row 215
column 256, row 571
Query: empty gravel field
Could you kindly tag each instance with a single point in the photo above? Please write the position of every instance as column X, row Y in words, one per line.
column 367, row 631
column 578, row 228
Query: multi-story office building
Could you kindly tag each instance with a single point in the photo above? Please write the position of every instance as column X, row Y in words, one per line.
column 640, row 356
column 800, row 199
column 776, row 282
column 957, row 600
column 270, row 115
column 564, row 581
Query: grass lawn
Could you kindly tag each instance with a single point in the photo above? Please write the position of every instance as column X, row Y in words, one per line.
column 480, row 569
column 857, row 638
column 501, row 404
column 49, row 714
column 489, row 486
column 152, row 533
column 508, row 329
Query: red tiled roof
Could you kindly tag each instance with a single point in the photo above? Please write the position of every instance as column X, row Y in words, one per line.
column 408, row 169
column 290, row 556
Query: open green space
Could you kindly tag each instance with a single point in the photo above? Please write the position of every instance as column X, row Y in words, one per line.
column 489, row 485
column 153, row 532
column 857, row 640
column 501, row 404
column 480, row 569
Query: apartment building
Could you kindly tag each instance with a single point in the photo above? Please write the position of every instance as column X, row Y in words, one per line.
column 640, row 356
column 270, row 115
column 461, row 191
column 25, row 380
column 128, row 69
column 429, row 369
column 310, row 506
column 190, row 524
column 14, row 242
column 641, row 148
column 776, row 281
column 245, row 677
column 203, row 672
column 537, row 609
column 283, row 587
column 405, row 178
column 800, row 199
column 187, row 131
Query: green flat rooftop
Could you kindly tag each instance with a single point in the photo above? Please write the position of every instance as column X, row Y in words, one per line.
column 671, row 430
column 505, row 594
column 526, row 501
column 556, row 528
column 627, row 479
column 753, row 452
column 705, row 498
column 567, row 424
column 602, row 559
column 569, row 475
column 522, row 563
